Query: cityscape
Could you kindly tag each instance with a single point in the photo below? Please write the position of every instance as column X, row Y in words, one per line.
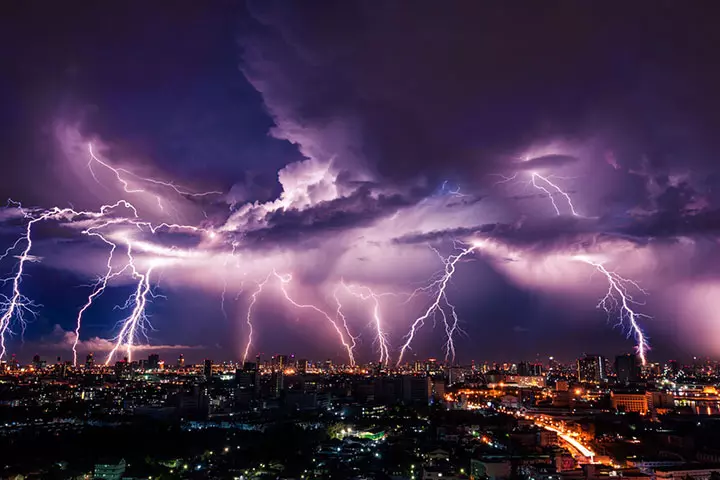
column 286, row 417
column 360, row 240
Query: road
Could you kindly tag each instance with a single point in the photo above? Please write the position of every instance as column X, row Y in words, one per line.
column 583, row 450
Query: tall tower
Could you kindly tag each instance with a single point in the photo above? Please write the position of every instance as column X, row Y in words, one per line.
column 207, row 369
column 90, row 360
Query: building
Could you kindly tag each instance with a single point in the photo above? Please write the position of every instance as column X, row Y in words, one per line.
column 490, row 469
column 547, row 438
column 109, row 470
column 431, row 365
column 248, row 381
column 278, row 382
column 638, row 402
column 416, row 389
column 207, row 369
column 280, row 362
column 181, row 361
column 153, row 362
column 627, row 368
column 38, row 363
column 696, row 471
column 438, row 388
column 592, row 369
column 525, row 369
column 194, row 404
column 90, row 360
column 302, row 366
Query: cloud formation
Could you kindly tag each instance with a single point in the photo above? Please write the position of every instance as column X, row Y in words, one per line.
column 542, row 132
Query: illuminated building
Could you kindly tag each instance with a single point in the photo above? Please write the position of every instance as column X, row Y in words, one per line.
column 278, row 382
column 181, row 361
column 454, row 375
column 630, row 402
column 526, row 381
column 302, row 366
column 627, row 368
column 553, row 364
column 90, row 360
column 591, row 369
column 110, row 470
column 248, row 380
column 431, row 365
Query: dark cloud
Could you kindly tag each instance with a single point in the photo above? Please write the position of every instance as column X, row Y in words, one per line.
column 361, row 208
column 448, row 89
column 538, row 234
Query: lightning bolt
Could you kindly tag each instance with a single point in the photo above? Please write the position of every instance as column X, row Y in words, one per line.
column 17, row 305
column 119, row 172
column 438, row 304
column 618, row 297
column 365, row 293
column 248, row 317
column 137, row 321
column 224, row 289
column 543, row 186
column 286, row 279
column 559, row 190
column 98, row 290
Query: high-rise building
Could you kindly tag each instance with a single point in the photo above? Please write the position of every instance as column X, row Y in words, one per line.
column 248, row 380
column 431, row 365
column 279, row 362
column 302, row 365
column 153, row 361
column 207, row 369
column 526, row 369
column 181, row 361
column 194, row 403
column 278, row 382
column 36, row 361
column 627, row 368
column 416, row 389
column 592, row 369
column 90, row 360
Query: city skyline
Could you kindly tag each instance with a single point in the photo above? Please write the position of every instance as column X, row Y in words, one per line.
column 330, row 180
column 177, row 358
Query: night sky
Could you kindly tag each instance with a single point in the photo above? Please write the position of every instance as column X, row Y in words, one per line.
column 353, row 148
